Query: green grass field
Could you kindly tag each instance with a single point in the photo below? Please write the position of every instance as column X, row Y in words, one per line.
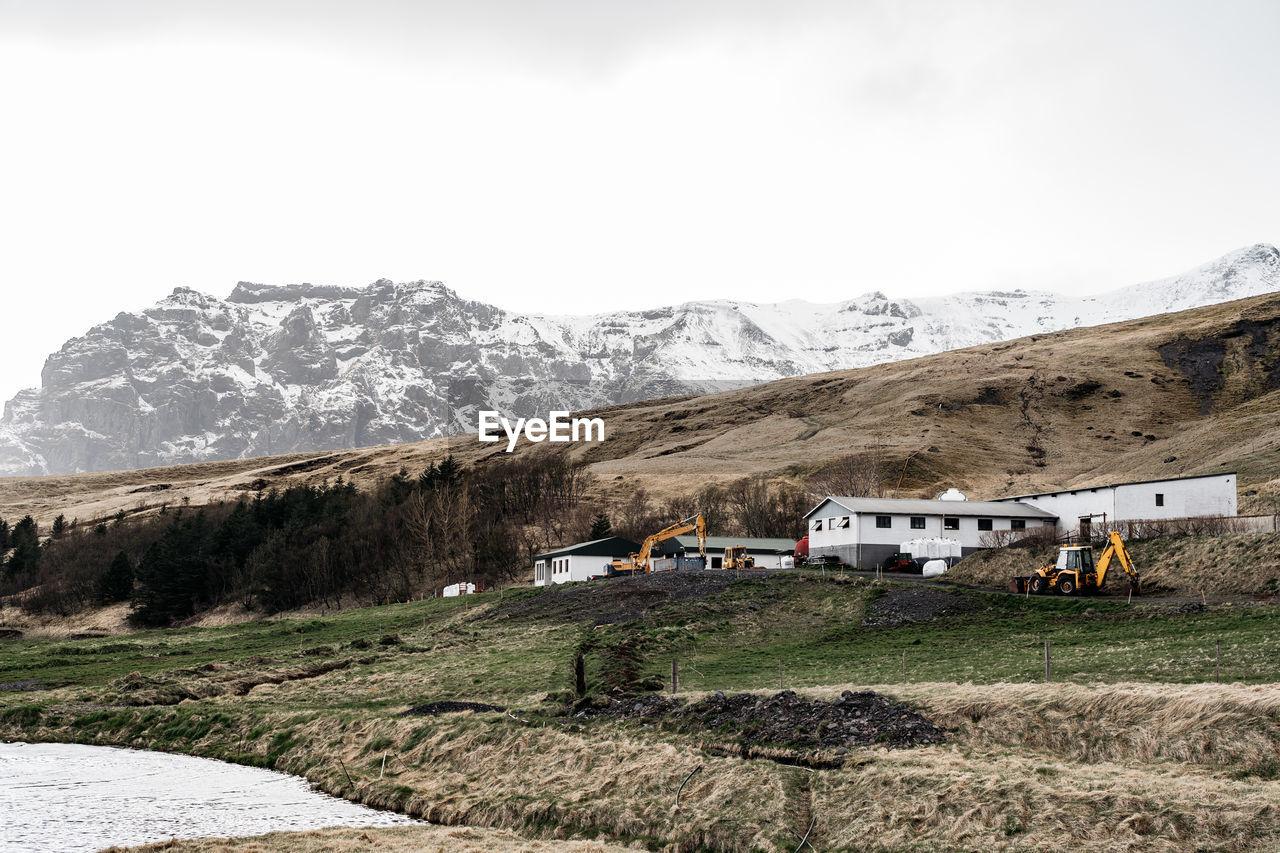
column 323, row 696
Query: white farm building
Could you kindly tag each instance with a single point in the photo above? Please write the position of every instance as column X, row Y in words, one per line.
column 580, row 562
column 768, row 553
column 1144, row 500
column 863, row 532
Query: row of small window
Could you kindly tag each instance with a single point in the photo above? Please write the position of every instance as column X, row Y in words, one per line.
column 557, row 567
column 918, row 523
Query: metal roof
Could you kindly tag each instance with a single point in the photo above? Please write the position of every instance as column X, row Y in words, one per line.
column 610, row 546
column 900, row 506
column 1074, row 489
column 769, row 545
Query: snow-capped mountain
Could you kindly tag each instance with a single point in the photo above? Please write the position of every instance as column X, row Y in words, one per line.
column 307, row 367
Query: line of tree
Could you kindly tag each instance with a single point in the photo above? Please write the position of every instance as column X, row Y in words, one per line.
column 306, row 545
column 409, row 536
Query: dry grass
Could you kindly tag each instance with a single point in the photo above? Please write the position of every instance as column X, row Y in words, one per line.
column 966, row 403
column 953, row 799
column 1229, row 727
column 1029, row 766
column 1233, row 564
column 424, row 839
column 112, row 619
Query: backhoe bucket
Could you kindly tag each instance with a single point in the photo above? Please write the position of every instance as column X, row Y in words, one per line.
column 1019, row 583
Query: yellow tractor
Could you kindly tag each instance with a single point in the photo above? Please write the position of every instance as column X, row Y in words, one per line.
column 1075, row 571
column 735, row 557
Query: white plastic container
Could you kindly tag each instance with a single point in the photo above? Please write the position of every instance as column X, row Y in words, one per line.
column 933, row 568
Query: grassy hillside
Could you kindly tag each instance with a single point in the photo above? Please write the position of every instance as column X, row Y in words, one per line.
column 1129, row 748
column 1183, row 393
column 1233, row 564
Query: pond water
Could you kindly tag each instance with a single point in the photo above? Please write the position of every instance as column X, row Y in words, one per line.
column 72, row 797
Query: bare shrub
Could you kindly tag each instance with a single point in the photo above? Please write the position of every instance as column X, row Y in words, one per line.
column 1032, row 537
column 856, row 475
column 1134, row 530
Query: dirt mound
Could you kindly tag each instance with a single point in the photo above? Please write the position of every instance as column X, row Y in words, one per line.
column 784, row 720
column 612, row 600
column 915, row 604
column 22, row 685
column 432, row 709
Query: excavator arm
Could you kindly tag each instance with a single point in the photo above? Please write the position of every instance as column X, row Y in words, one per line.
column 692, row 524
column 1116, row 551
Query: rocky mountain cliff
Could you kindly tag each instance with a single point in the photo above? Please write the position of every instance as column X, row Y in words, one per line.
column 305, row 367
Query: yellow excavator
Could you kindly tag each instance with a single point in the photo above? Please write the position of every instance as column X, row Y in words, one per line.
column 1076, row 572
column 639, row 562
column 735, row 557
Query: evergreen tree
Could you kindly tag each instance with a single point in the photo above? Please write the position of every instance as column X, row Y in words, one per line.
column 25, row 541
column 4, row 536
column 173, row 576
column 600, row 527
column 116, row 583
column 449, row 472
column 59, row 527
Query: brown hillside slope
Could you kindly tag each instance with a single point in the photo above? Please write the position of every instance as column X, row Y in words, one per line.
column 1183, row 393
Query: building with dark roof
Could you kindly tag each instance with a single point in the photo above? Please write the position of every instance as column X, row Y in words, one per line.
column 581, row 561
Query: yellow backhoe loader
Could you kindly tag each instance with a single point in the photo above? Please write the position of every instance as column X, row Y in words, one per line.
column 639, row 562
column 1075, row 571
column 735, row 557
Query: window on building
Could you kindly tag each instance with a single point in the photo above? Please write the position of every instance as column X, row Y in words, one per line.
column 984, row 524
column 917, row 522
column 817, row 524
column 1159, row 499
column 1017, row 524
column 884, row 521
column 844, row 523
column 950, row 524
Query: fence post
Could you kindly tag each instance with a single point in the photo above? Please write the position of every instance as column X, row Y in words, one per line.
column 1217, row 663
column 1047, row 663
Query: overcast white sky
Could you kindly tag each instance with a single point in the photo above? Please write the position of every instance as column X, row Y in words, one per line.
column 583, row 155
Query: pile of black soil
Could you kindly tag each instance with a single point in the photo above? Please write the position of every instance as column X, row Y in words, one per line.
column 23, row 685
column 911, row 605
column 782, row 720
column 612, row 600
column 433, row 709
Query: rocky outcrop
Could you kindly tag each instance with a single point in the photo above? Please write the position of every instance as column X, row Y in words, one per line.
column 310, row 367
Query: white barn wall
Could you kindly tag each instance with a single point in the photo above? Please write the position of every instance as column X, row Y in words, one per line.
column 864, row 544
column 1183, row 498
column 1068, row 507
column 969, row 535
column 827, row 538
column 570, row 568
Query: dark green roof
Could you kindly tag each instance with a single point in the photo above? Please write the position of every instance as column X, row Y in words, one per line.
column 610, row 546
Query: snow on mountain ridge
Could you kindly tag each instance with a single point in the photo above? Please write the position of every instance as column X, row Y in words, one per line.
column 275, row 369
